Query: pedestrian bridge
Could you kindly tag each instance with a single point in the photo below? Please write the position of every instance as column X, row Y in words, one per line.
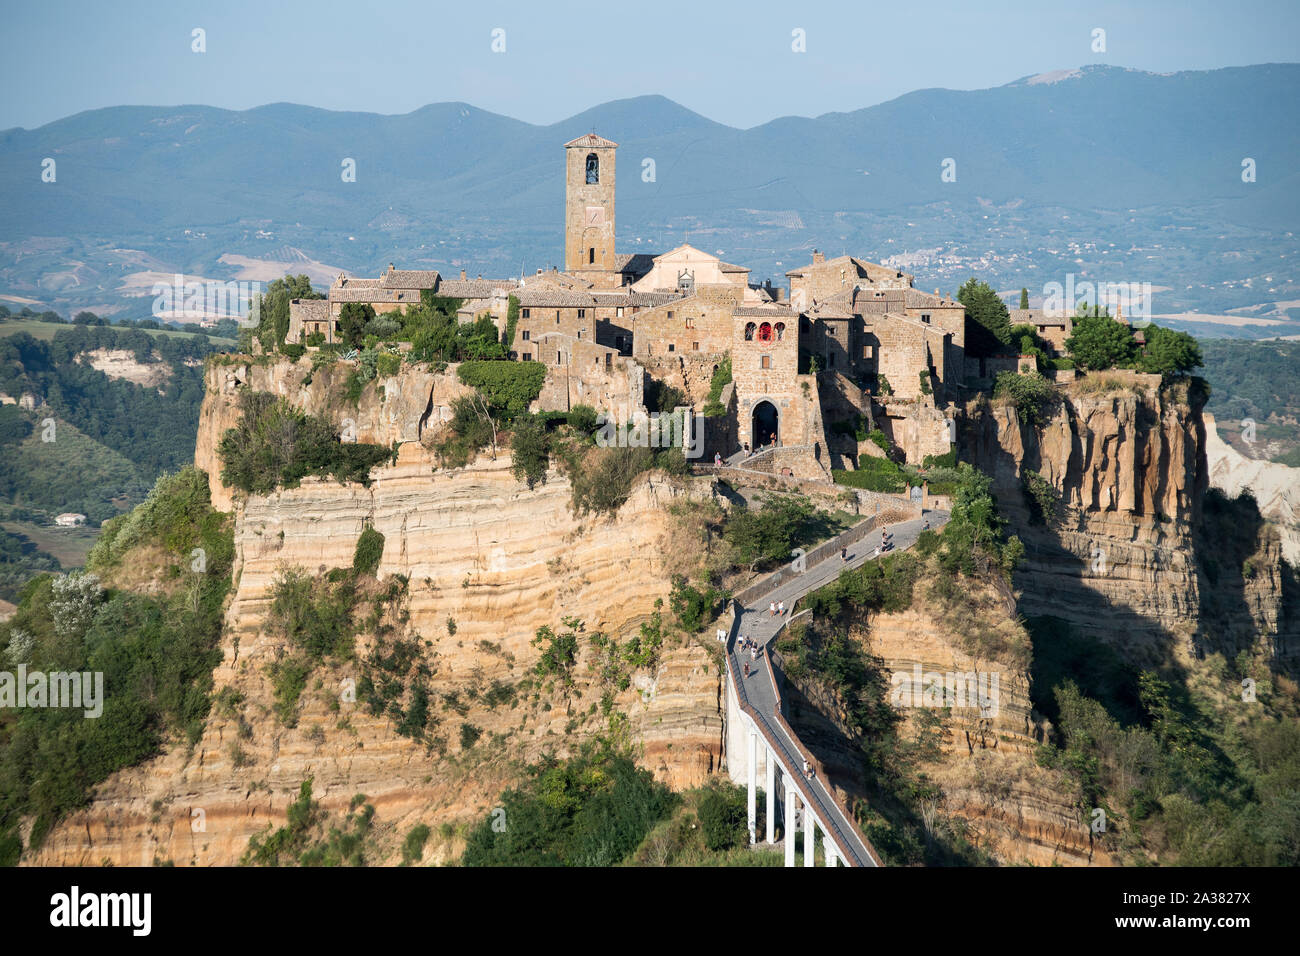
column 758, row 737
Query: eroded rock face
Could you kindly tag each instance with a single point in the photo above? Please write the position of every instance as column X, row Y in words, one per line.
column 480, row 550
column 1125, row 557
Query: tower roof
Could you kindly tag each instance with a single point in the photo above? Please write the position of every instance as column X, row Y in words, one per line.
column 589, row 140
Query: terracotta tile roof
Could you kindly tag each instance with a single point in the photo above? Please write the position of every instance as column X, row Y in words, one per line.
column 590, row 140
column 309, row 310
column 765, row 311
column 474, row 288
column 543, row 295
column 409, row 279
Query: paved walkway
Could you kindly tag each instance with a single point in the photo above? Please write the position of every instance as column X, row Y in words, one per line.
column 759, row 691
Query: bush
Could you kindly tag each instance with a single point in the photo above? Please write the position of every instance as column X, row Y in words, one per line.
column 388, row 364
column 293, row 352
column 873, row 474
column 529, row 450
column 509, row 387
column 413, row 845
column 312, row 614
column 947, row 460
column 1030, row 395
column 602, row 478
column 723, row 816
column 276, row 446
column 369, row 551
column 693, row 606
column 721, row 378
column 592, row 810
column 1041, row 496
column 469, row 432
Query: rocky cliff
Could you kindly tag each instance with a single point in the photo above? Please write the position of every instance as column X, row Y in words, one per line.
column 488, row 562
column 1120, row 544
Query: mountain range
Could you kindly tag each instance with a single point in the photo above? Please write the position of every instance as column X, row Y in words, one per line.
column 1113, row 173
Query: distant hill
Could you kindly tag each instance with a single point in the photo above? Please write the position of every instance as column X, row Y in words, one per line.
column 1149, row 163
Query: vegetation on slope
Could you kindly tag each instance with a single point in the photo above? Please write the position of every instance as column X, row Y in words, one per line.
column 591, row 810
column 275, row 446
column 1182, row 773
column 156, row 654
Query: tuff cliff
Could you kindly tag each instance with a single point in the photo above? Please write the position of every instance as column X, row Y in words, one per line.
column 1126, row 545
column 487, row 562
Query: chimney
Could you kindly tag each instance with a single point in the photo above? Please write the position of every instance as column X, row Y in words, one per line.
column 780, row 294
column 390, row 267
column 818, row 257
column 462, row 274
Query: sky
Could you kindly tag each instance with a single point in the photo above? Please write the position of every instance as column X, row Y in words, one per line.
column 733, row 63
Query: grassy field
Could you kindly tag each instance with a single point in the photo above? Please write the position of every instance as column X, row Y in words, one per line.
column 68, row 545
column 45, row 331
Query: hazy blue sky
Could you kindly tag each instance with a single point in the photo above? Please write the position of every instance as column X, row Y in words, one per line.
column 732, row 63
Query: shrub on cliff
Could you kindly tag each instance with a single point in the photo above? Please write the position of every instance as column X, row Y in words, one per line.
column 721, row 378
column 722, row 813
column 369, row 550
column 275, row 446
column 529, row 450
column 1030, row 395
column 509, row 387
column 591, row 810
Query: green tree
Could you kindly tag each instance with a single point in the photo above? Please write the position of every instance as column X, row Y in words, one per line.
column 1169, row 352
column 990, row 315
column 1024, row 298
column 353, row 319
column 1100, row 342
column 273, row 308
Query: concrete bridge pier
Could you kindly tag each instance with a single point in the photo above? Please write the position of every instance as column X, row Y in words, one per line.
column 791, row 803
column 771, row 798
column 809, row 838
column 753, row 773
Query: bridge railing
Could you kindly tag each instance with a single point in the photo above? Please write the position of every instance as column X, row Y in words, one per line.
column 818, row 767
column 776, row 746
column 819, row 554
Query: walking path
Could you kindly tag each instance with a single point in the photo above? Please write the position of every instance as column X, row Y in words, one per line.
column 760, row 697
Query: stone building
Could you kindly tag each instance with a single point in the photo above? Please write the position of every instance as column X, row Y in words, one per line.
column 851, row 332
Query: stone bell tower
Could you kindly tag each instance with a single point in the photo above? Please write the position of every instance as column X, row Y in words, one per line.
column 589, row 204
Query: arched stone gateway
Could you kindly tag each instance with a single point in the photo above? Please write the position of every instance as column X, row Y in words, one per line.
column 765, row 427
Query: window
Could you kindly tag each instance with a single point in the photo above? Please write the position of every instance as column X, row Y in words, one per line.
column 925, row 317
column 670, row 313
column 526, row 334
column 695, row 346
column 559, row 357
column 523, row 313
column 582, row 313
column 609, row 360
column 765, row 332
column 749, row 331
column 579, row 333
column 527, row 356
column 557, row 316
column 780, row 331
column 593, row 169
column 767, row 361
column 618, row 313
column 690, row 322
column 591, row 255
column 672, row 347
column 866, row 351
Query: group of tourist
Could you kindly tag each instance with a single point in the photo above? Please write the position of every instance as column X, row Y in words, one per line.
column 776, row 609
